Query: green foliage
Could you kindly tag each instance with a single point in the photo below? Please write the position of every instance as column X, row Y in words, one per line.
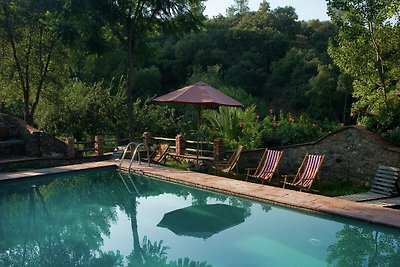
column 82, row 110
column 334, row 187
column 255, row 57
column 106, row 65
column 235, row 126
column 245, row 127
column 292, row 73
column 147, row 82
column 244, row 46
column 367, row 49
column 282, row 128
column 132, row 22
column 31, row 49
column 325, row 95
column 240, row 7
column 383, row 119
column 393, row 135
column 157, row 119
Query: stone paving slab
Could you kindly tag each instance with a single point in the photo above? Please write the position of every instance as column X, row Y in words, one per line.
column 55, row 170
column 354, row 210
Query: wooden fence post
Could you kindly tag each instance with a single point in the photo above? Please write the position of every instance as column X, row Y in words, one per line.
column 218, row 147
column 180, row 144
column 99, row 145
column 70, row 151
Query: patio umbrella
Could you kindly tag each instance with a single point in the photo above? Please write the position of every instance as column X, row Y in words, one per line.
column 199, row 94
column 203, row 221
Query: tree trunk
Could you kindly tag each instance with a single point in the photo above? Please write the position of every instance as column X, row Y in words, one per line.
column 378, row 60
column 129, row 85
column 28, row 118
column 345, row 108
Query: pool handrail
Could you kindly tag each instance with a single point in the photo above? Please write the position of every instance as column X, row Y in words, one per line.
column 133, row 155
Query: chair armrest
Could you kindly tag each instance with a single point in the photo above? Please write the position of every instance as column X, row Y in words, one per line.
column 286, row 176
column 249, row 170
column 221, row 164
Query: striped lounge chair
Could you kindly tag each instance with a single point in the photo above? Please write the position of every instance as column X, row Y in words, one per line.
column 267, row 167
column 307, row 173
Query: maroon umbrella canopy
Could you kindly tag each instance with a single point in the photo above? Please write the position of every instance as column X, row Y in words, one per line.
column 199, row 94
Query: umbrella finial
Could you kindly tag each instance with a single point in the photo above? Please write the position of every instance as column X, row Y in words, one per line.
column 201, row 83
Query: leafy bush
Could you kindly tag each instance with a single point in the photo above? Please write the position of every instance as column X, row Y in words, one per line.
column 81, row 110
column 147, row 82
column 393, row 136
column 282, row 128
column 159, row 120
column 234, row 125
column 244, row 126
column 382, row 118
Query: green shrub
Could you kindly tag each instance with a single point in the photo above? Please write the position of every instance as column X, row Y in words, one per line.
column 234, row 125
column 282, row 128
column 159, row 120
column 393, row 136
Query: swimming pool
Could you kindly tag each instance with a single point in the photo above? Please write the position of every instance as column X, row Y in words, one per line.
column 99, row 218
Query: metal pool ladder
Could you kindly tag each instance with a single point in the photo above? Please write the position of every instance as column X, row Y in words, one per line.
column 129, row 184
column 133, row 155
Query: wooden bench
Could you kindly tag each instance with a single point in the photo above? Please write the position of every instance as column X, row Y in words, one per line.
column 384, row 185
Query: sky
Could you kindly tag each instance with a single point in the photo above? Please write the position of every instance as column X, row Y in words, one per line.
column 305, row 9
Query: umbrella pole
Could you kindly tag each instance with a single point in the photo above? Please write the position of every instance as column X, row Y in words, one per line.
column 198, row 136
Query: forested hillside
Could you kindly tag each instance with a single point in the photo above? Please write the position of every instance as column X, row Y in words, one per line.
column 77, row 68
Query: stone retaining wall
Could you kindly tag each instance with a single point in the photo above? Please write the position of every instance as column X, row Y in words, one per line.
column 351, row 153
column 36, row 143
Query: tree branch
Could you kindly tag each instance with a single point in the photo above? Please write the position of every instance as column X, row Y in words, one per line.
column 9, row 33
column 378, row 59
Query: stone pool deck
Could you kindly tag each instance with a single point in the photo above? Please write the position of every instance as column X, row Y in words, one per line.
column 349, row 209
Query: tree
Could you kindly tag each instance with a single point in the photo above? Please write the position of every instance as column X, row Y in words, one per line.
column 367, row 49
column 30, row 41
column 284, row 19
column 132, row 21
column 87, row 110
column 240, row 7
column 323, row 95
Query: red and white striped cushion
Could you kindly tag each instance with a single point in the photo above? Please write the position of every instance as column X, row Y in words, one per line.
column 309, row 171
column 267, row 169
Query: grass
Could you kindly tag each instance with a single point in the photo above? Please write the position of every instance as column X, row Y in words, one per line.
column 334, row 187
column 176, row 165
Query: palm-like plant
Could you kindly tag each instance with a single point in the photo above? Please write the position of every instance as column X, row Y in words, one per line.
column 234, row 126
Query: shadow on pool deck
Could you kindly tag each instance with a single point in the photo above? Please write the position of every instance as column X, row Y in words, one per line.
column 349, row 209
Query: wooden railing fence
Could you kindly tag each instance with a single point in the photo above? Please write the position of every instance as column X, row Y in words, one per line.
column 108, row 143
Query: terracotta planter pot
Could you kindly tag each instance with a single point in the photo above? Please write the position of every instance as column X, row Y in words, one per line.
column 3, row 131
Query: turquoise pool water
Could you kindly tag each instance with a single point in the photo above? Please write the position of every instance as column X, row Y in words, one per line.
column 99, row 218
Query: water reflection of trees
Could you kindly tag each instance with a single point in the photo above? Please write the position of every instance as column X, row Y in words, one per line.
column 371, row 246
column 39, row 230
column 38, row 227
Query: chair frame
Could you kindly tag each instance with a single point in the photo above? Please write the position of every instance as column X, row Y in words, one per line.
column 384, row 185
column 298, row 180
column 231, row 166
column 272, row 168
column 160, row 152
